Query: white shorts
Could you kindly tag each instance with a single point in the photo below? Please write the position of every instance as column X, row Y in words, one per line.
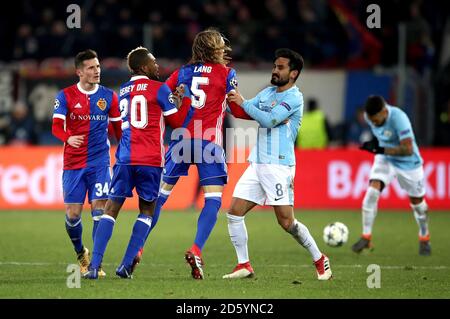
column 412, row 181
column 270, row 184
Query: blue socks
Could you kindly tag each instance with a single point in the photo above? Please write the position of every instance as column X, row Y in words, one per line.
column 207, row 219
column 96, row 215
column 141, row 229
column 102, row 237
column 75, row 230
column 160, row 201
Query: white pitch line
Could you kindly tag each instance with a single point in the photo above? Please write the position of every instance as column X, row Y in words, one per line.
column 404, row 267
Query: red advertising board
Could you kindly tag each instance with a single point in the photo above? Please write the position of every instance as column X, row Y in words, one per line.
column 30, row 178
column 338, row 178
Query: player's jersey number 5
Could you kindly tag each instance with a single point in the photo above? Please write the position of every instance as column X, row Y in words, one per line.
column 198, row 96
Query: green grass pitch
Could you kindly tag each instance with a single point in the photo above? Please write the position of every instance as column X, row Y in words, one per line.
column 35, row 252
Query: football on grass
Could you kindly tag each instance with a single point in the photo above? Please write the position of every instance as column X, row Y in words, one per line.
column 335, row 234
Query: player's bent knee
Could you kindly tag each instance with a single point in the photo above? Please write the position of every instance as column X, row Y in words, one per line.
column 416, row 200
column 74, row 211
column 234, row 219
column 113, row 206
column 240, row 207
column 234, row 212
column 285, row 223
column 99, row 204
column 420, row 208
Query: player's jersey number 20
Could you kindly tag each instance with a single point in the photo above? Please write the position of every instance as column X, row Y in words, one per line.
column 138, row 112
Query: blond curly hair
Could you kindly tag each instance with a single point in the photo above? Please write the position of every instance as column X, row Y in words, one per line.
column 210, row 46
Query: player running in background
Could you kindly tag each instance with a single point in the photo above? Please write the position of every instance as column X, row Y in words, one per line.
column 144, row 104
column 206, row 80
column 270, row 177
column 80, row 120
column 397, row 155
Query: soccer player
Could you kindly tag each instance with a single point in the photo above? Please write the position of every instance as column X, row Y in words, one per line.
column 80, row 120
column 270, row 177
column 145, row 104
column 397, row 155
column 207, row 80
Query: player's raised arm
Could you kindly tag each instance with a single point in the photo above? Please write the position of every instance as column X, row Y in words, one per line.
column 234, row 100
column 277, row 115
column 169, row 101
column 172, row 81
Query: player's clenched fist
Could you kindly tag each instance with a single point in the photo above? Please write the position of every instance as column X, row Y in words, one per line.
column 372, row 146
column 235, row 96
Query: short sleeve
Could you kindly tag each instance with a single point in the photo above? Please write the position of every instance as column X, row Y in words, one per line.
column 114, row 113
column 166, row 100
column 232, row 82
column 60, row 106
column 292, row 102
column 403, row 126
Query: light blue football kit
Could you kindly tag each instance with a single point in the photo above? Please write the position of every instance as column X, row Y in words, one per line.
column 408, row 169
column 276, row 140
column 397, row 127
column 270, row 177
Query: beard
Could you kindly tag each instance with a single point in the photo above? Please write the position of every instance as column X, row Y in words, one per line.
column 278, row 81
column 381, row 124
column 153, row 76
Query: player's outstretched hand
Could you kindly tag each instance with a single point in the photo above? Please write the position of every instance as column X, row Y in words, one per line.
column 235, row 96
column 372, row 146
column 75, row 140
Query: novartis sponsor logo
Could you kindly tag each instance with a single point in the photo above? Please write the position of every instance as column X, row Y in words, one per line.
column 88, row 117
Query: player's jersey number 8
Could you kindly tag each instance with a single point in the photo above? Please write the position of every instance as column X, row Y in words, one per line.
column 138, row 104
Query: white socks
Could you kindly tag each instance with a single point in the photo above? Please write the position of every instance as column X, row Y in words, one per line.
column 420, row 213
column 238, row 236
column 301, row 234
column 369, row 209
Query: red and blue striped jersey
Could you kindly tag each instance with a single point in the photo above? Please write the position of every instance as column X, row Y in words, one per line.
column 143, row 105
column 207, row 84
column 87, row 113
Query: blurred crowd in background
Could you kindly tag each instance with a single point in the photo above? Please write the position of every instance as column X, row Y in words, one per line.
column 324, row 31
column 327, row 33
